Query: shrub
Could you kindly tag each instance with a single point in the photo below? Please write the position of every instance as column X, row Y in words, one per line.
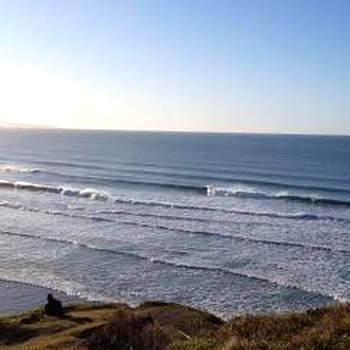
column 129, row 331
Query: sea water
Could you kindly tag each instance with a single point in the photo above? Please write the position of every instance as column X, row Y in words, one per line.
column 229, row 223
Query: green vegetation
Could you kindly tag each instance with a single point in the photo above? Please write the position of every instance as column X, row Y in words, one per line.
column 167, row 326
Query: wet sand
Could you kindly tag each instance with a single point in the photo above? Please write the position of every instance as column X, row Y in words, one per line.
column 18, row 297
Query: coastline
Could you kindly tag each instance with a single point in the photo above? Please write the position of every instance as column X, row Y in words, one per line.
column 157, row 325
column 17, row 297
column 170, row 326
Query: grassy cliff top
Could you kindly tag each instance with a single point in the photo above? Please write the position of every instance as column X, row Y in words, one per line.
column 167, row 326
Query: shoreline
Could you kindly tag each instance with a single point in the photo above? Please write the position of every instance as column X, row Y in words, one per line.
column 93, row 325
column 19, row 297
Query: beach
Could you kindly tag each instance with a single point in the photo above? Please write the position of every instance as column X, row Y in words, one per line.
column 175, row 175
column 16, row 298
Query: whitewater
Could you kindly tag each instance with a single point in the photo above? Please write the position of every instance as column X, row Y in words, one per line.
column 231, row 223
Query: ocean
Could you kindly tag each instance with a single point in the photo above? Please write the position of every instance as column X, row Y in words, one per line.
column 229, row 223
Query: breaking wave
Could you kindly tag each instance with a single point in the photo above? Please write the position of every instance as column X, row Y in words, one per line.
column 83, row 193
column 94, row 194
column 6, row 168
column 246, row 192
column 241, row 188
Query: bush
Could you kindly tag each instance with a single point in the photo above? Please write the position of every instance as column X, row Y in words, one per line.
column 129, row 331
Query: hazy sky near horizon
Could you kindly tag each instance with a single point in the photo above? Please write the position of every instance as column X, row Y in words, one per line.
column 199, row 65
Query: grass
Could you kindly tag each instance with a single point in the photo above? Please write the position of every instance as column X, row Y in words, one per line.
column 168, row 326
column 35, row 331
column 319, row 329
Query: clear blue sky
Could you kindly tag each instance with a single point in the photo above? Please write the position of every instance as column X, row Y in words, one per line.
column 235, row 65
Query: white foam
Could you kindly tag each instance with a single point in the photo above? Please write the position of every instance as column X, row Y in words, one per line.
column 93, row 194
column 8, row 168
column 74, row 192
column 235, row 190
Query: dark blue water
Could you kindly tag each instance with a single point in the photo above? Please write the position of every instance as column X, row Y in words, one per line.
column 227, row 222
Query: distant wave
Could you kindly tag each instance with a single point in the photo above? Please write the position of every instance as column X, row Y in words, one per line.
column 163, row 169
column 69, row 164
column 167, row 262
column 243, row 188
column 244, row 177
column 212, row 190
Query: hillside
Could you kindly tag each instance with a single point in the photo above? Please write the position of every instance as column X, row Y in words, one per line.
column 167, row 326
column 10, row 125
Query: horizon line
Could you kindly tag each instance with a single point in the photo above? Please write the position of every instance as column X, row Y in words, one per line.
column 53, row 128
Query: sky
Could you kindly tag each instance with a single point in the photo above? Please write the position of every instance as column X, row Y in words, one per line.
column 275, row 66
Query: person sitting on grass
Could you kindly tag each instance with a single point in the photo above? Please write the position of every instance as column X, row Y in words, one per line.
column 53, row 306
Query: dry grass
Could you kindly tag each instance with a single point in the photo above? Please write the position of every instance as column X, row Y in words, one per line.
column 35, row 331
column 151, row 326
column 166, row 326
column 319, row 329
column 127, row 330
